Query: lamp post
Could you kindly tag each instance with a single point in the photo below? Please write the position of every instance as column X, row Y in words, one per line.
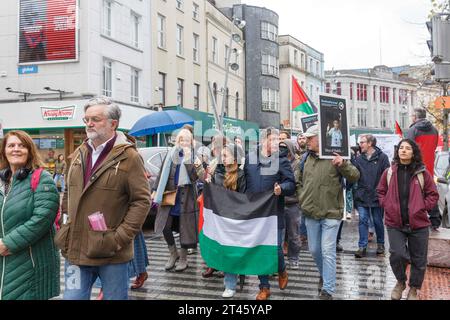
column 234, row 66
column 25, row 94
column 61, row 92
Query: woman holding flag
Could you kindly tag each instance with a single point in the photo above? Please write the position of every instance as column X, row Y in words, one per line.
column 230, row 176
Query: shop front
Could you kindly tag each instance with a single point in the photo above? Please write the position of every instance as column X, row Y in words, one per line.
column 57, row 127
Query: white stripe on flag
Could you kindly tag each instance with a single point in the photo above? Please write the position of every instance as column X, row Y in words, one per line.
column 240, row 233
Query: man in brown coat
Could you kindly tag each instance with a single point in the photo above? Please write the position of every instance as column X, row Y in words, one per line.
column 106, row 175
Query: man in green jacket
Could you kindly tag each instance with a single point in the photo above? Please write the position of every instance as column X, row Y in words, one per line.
column 320, row 195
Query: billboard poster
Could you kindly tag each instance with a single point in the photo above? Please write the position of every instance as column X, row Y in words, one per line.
column 309, row 121
column 334, row 127
column 47, row 31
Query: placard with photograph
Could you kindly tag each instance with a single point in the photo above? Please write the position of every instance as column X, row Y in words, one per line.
column 308, row 121
column 334, row 127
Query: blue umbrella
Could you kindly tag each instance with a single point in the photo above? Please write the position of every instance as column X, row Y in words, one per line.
column 161, row 121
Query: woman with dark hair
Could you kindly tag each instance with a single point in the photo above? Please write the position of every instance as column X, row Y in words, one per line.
column 407, row 193
column 58, row 177
column 29, row 261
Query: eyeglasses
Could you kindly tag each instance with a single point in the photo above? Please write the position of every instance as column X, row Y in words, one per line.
column 93, row 119
column 362, row 142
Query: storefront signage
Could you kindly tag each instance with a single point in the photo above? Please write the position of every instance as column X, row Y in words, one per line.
column 58, row 114
column 28, row 69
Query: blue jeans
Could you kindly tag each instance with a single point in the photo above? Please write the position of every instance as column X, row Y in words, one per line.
column 302, row 231
column 80, row 279
column 322, row 236
column 59, row 177
column 377, row 214
column 230, row 281
column 264, row 280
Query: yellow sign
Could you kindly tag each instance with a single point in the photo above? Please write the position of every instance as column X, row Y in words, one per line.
column 442, row 103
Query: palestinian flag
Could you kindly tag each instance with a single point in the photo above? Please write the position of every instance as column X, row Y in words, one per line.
column 238, row 232
column 300, row 101
column 398, row 130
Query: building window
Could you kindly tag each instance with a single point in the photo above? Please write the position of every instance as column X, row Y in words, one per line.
column 310, row 65
column 374, row 93
column 270, row 100
column 179, row 4
column 270, row 65
column 295, row 58
column 180, row 46
column 180, row 89
column 196, row 96
column 196, row 48
column 107, row 78
column 339, row 88
column 384, row 94
column 227, row 102
column 351, row 90
column 311, row 91
column 327, row 87
column 269, row 31
column 317, row 68
column 214, row 50
column 403, row 97
column 161, row 31
column 236, row 106
column 162, row 88
column 394, row 95
column 404, row 120
column 384, row 119
column 134, row 85
column 302, row 60
column 227, row 51
column 107, row 17
column 135, row 22
column 361, row 93
column 362, row 117
column 195, row 11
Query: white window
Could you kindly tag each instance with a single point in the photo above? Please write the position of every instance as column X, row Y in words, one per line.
column 180, row 4
column 107, row 78
column 227, row 51
column 196, row 96
column 362, row 117
column 270, row 100
column 162, row 88
column 161, row 31
column 270, row 65
column 269, row 31
column 310, row 65
column 180, row 45
column 196, row 11
column 317, row 68
column 135, row 22
column 384, row 119
column 107, row 17
column 404, row 120
column 195, row 52
column 295, row 58
column 134, row 85
column 180, row 91
column 214, row 50
column 302, row 60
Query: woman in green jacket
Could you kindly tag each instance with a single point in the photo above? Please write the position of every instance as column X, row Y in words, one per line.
column 29, row 261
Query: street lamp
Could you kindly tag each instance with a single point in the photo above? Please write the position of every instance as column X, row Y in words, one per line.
column 61, row 92
column 25, row 94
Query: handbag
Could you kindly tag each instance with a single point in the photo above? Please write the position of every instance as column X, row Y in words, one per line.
column 169, row 198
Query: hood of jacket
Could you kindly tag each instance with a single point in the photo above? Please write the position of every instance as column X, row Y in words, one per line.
column 423, row 125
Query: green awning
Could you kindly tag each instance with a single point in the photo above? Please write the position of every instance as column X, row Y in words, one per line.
column 359, row 131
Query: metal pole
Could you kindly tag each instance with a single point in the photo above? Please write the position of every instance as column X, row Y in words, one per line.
column 445, row 93
column 214, row 105
column 227, row 66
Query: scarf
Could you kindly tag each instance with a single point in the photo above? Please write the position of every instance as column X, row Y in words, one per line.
column 165, row 172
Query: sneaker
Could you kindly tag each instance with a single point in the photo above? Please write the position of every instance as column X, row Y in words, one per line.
column 412, row 294
column 397, row 292
column 228, row 293
column 380, row 249
column 293, row 265
column 349, row 216
column 362, row 252
column 324, row 295
column 339, row 247
column 191, row 251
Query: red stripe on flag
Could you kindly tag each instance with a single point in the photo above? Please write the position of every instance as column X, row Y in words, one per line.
column 200, row 217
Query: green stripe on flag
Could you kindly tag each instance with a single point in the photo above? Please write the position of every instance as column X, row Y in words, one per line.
column 260, row 260
column 304, row 107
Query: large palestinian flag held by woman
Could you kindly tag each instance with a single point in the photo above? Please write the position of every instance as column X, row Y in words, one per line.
column 238, row 232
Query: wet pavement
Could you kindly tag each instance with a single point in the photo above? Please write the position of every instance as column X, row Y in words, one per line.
column 369, row 278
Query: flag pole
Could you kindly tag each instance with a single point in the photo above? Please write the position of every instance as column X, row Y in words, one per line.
column 290, row 104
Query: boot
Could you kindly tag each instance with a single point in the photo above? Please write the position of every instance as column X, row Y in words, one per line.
column 139, row 282
column 412, row 294
column 264, row 294
column 182, row 264
column 398, row 291
column 283, row 279
column 380, row 249
column 172, row 258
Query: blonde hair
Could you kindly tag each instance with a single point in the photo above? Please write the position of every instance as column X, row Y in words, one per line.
column 34, row 160
column 183, row 133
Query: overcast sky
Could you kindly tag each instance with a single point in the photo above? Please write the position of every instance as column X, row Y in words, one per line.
column 348, row 32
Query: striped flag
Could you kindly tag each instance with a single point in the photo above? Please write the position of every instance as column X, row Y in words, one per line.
column 238, row 232
column 398, row 130
column 300, row 100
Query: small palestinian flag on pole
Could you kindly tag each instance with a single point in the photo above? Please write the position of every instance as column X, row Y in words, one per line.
column 398, row 130
column 238, row 232
column 300, row 101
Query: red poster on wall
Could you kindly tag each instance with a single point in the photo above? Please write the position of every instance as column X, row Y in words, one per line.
column 47, row 31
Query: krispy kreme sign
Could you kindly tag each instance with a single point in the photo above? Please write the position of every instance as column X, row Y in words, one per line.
column 58, row 114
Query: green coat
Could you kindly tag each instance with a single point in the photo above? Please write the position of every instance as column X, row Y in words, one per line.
column 319, row 190
column 31, row 272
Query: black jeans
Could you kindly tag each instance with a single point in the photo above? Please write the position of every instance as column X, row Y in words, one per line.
column 409, row 246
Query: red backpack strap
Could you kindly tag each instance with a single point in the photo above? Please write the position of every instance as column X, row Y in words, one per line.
column 35, row 177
